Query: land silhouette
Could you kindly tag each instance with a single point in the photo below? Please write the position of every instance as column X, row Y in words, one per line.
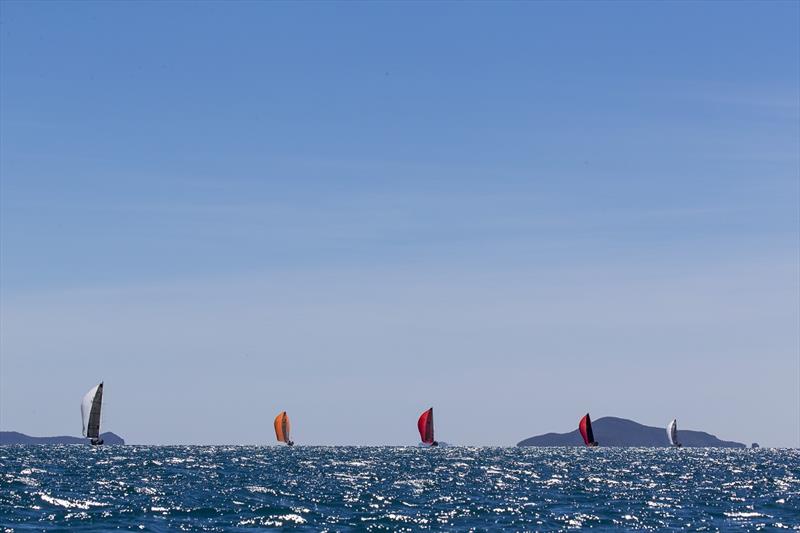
column 14, row 437
column 613, row 431
column 608, row 431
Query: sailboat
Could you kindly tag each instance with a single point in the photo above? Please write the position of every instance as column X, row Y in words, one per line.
column 90, row 414
column 585, row 428
column 672, row 433
column 425, row 426
column 282, row 428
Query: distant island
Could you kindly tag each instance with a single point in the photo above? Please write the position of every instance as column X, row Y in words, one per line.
column 14, row 437
column 613, row 431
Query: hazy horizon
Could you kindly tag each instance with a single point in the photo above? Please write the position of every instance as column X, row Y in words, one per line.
column 514, row 213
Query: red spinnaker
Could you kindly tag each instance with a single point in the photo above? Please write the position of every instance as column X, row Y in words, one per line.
column 585, row 427
column 425, row 426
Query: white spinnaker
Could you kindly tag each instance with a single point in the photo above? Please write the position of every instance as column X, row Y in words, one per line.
column 86, row 407
column 672, row 432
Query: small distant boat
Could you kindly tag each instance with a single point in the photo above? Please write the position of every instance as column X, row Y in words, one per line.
column 90, row 414
column 585, row 427
column 672, row 433
column 425, row 426
column 282, row 428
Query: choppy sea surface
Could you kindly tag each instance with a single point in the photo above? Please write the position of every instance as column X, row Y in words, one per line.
column 234, row 488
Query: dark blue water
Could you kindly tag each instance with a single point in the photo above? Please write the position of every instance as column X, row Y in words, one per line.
column 193, row 488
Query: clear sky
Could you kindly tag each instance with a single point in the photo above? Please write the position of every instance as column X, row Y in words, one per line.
column 514, row 212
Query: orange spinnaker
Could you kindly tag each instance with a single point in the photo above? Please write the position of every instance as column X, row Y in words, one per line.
column 282, row 427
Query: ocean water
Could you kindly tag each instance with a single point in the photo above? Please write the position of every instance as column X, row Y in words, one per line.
column 233, row 488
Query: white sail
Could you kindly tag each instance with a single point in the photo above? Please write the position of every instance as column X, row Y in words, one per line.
column 90, row 411
column 672, row 432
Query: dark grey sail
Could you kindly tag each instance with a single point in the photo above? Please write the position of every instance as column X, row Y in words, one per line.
column 90, row 413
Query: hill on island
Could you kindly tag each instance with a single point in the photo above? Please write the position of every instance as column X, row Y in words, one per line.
column 613, row 431
column 14, row 437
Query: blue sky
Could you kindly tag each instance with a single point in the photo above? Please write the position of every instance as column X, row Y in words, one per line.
column 352, row 211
